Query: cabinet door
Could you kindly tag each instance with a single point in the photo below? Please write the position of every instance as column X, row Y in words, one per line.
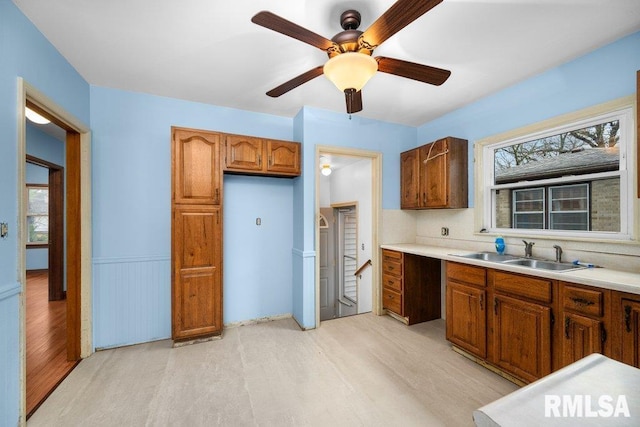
column 410, row 179
column 466, row 318
column 435, row 174
column 196, row 290
column 582, row 336
column 283, row 157
column 243, row 153
column 521, row 337
column 631, row 332
column 195, row 169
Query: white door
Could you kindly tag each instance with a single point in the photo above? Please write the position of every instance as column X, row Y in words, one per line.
column 328, row 301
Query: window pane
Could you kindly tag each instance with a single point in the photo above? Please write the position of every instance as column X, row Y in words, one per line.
column 528, row 208
column 569, row 221
column 38, row 227
column 38, row 201
column 529, row 220
column 589, row 150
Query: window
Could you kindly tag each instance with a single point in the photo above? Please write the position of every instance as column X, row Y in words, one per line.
column 567, row 177
column 37, row 214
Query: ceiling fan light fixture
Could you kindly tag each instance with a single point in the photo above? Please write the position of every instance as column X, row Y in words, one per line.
column 35, row 117
column 350, row 70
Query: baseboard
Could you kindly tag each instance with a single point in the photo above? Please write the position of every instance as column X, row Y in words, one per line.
column 258, row 320
column 495, row 370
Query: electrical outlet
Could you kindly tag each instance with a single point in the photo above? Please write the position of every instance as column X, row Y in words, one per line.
column 444, row 231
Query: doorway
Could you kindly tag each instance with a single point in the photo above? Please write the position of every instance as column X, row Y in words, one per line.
column 348, row 201
column 76, row 282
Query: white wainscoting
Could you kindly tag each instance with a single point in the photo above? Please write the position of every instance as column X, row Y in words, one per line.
column 131, row 300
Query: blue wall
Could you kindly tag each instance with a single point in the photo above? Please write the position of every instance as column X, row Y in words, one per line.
column 132, row 207
column 25, row 53
column 603, row 75
column 132, row 217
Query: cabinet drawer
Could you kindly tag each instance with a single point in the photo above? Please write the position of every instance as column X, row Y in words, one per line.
column 393, row 282
column 525, row 286
column 392, row 300
column 582, row 300
column 467, row 273
column 392, row 268
column 392, row 256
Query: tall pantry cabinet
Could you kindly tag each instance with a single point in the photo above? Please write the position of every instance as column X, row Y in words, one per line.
column 196, row 234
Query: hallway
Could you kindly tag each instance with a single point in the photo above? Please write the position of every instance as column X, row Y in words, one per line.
column 47, row 362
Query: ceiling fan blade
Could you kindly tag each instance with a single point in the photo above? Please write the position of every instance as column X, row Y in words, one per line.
column 276, row 23
column 411, row 70
column 295, row 82
column 398, row 16
column 354, row 100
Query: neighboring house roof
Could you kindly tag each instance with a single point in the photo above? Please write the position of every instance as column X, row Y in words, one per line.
column 591, row 160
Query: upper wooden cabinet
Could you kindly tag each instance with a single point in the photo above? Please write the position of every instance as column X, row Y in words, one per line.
column 250, row 155
column 434, row 175
column 196, row 169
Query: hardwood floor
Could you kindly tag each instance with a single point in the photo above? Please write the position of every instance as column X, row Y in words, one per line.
column 47, row 363
column 362, row 370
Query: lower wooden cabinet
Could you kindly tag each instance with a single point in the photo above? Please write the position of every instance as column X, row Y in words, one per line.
column 410, row 286
column 197, row 260
column 581, row 337
column 584, row 320
column 521, row 336
column 626, row 320
column 466, row 308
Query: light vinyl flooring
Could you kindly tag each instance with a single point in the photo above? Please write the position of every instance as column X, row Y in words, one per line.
column 363, row 370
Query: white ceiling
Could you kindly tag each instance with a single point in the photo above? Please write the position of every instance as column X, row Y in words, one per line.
column 209, row 51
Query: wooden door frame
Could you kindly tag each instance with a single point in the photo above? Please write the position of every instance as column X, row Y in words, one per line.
column 78, row 217
column 56, row 226
column 376, row 216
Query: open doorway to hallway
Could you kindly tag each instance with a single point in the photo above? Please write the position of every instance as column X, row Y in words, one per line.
column 59, row 277
column 348, row 206
column 45, row 291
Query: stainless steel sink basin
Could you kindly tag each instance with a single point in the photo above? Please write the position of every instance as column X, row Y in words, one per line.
column 537, row 264
column 489, row 256
column 543, row 265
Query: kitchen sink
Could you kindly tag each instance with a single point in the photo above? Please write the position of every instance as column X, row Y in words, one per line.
column 536, row 264
column 543, row 265
column 489, row 256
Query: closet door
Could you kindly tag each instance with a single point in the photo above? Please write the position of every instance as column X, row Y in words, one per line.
column 196, row 290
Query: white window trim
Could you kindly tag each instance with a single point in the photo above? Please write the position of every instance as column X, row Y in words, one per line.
column 624, row 109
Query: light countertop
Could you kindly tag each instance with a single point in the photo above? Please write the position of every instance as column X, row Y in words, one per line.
column 599, row 277
column 540, row 403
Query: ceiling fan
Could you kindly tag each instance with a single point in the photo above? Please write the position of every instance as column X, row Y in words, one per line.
column 350, row 63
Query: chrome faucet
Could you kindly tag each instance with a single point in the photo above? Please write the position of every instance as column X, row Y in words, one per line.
column 558, row 253
column 528, row 249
